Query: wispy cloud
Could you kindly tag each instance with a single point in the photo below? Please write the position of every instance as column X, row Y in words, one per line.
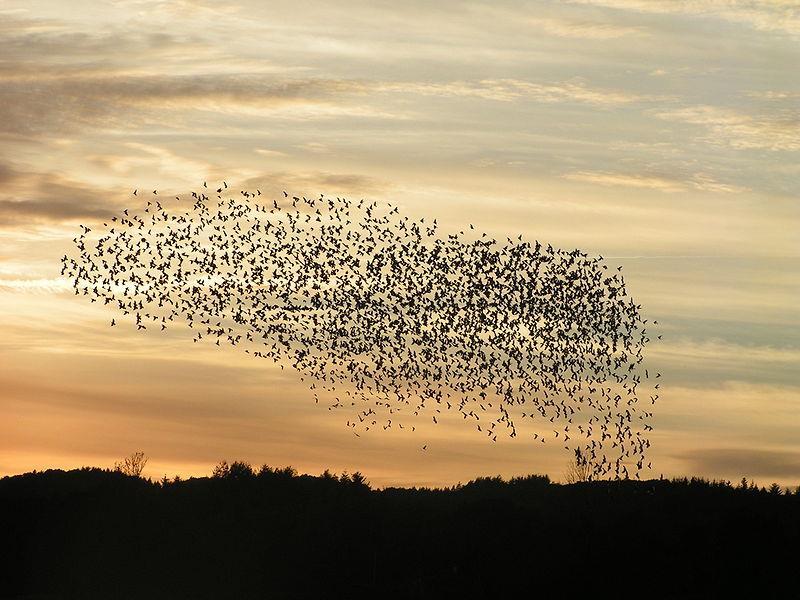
column 28, row 196
column 774, row 95
column 619, row 179
column 717, row 351
column 765, row 15
column 124, row 102
column 36, row 286
column 318, row 182
column 698, row 181
column 509, row 90
column 743, row 462
column 774, row 131
column 270, row 153
column 584, row 29
column 120, row 101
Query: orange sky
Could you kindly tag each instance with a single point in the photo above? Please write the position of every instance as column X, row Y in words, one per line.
column 663, row 135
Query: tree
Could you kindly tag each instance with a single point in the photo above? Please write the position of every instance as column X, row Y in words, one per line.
column 236, row 470
column 240, row 470
column 358, row 480
column 221, row 470
column 579, row 469
column 132, row 465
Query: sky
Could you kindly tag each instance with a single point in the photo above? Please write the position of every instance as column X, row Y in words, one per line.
column 663, row 135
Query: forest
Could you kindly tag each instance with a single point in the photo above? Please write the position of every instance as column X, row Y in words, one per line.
column 273, row 533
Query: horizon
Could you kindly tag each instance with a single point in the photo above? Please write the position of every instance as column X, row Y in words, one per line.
column 256, row 471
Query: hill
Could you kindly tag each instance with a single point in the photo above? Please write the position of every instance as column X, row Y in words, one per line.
column 93, row 533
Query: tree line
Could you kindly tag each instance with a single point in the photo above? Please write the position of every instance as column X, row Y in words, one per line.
column 266, row 532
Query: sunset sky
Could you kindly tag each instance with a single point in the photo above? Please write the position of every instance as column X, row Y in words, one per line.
column 663, row 135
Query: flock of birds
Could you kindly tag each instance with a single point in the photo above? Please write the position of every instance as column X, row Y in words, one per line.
column 382, row 316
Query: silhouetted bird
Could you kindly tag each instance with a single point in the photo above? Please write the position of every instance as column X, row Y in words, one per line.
column 388, row 319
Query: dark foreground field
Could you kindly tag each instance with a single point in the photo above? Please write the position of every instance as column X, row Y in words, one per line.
column 92, row 533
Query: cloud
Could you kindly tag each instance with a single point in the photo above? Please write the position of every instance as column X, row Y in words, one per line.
column 706, row 183
column 587, row 30
column 51, row 104
column 50, row 47
column 778, row 130
column 774, row 95
column 169, row 163
column 8, row 174
column 36, row 286
column 315, row 147
column 55, row 78
column 698, row 181
column 72, row 103
column 53, row 83
column 618, row 179
column 764, row 15
column 28, row 196
column 317, row 182
column 741, row 462
column 267, row 152
column 37, row 197
column 509, row 90
column 718, row 352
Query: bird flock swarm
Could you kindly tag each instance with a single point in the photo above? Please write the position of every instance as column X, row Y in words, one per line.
column 386, row 318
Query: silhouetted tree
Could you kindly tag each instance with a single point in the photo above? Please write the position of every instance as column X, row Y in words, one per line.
column 278, row 534
column 579, row 469
column 132, row 465
column 240, row 470
column 358, row 480
column 221, row 469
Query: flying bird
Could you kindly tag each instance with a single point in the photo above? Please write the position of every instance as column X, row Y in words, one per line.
column 386, row 319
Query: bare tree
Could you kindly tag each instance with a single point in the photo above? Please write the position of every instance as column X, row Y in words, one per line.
column 579, row 469
column 132, row 465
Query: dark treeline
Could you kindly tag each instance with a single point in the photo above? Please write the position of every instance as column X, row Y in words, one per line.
column 240, row 534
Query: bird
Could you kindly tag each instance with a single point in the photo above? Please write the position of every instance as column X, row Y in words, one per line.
column 384, row 318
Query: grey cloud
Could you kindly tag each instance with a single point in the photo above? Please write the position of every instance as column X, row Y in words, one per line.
column 7, row 174
column 739, row 462
column 28, row 196
column 51, row 42
column 55, row 79
column 46, row 106
column 741, row 332
column 35, row 197
column 37, row 106
column 244, row 87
